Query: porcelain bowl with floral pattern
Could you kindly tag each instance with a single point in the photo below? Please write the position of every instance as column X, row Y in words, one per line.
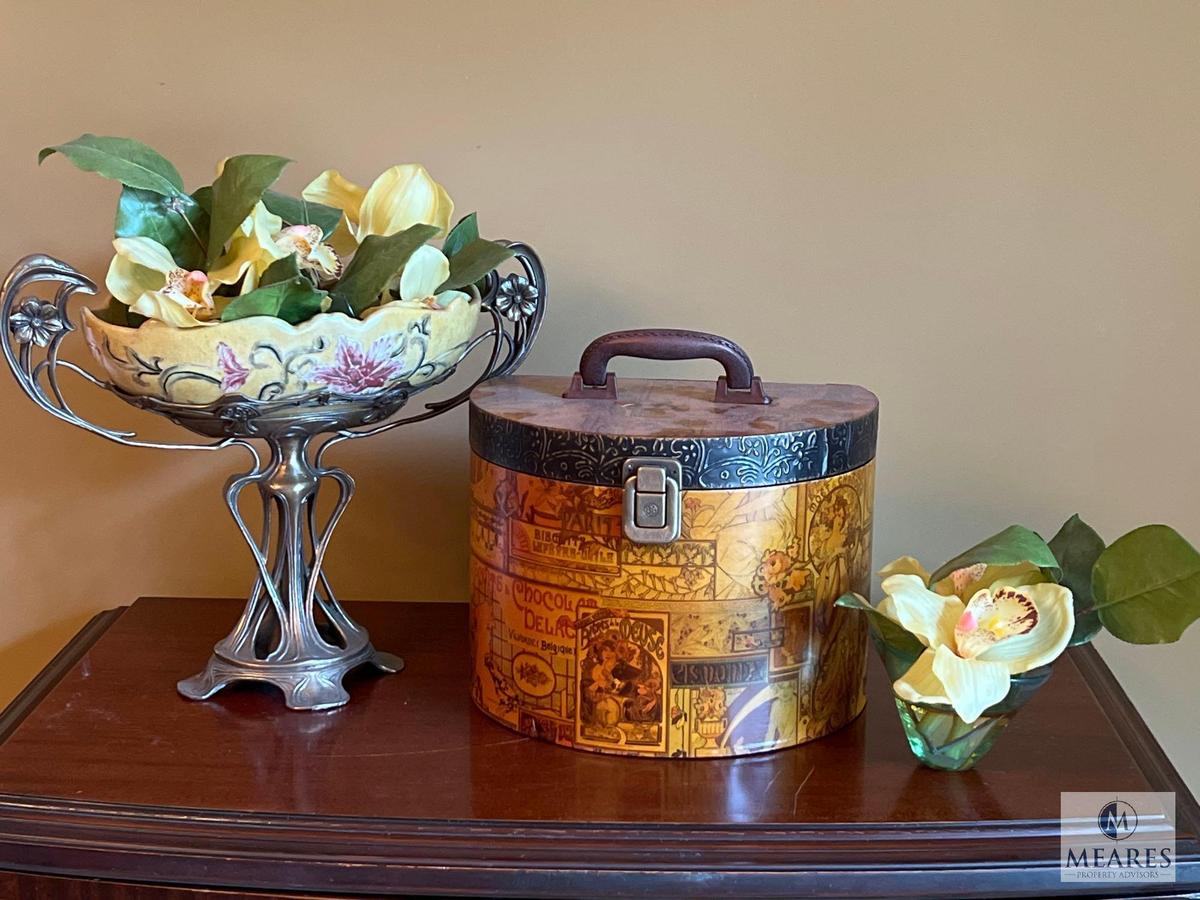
column 266, row 358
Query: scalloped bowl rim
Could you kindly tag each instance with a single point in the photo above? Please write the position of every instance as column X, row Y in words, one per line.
column 346, row 321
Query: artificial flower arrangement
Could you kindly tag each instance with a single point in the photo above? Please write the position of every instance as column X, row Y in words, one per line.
column 967, row 645
column 236, row 288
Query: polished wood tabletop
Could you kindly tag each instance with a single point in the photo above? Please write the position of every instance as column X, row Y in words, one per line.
column 105, row 771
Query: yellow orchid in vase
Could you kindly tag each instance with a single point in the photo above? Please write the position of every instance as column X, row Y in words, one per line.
column 974, row 647
column 967, row 646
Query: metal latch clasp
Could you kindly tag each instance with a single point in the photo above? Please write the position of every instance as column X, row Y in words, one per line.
column 652, row 499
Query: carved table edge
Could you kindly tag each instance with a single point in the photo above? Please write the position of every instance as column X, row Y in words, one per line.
column 296, row 851
column 32, row 694
column 1137, row 737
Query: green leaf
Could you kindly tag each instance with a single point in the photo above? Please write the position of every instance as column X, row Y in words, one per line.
column 177, row 222
column 239, row 186
column 1015, row 544
column 1146, row 586
column 473, row 261
column 128, row 161
column 298, row 211
column 465, row 232
column 1077, row 547
column 283, row 269
column 203, row 198
column 117, row 313
column 899, row 641
column 294, row 301
column 377, row 260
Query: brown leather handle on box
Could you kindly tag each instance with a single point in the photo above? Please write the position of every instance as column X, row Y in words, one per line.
column 593, row 381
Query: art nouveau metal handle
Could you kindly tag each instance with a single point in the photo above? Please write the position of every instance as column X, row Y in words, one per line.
column 29, row 322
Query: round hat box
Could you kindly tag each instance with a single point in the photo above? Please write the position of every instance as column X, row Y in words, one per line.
column 654, row 563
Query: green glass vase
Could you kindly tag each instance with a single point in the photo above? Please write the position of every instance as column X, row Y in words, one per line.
column 935, row 733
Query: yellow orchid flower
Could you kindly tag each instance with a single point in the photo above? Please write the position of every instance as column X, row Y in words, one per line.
column 401, row 197
column 424, row 272
column 306, row 241
column 974, row 647
column 145, row 277
column 969, row 579
column 251, row 250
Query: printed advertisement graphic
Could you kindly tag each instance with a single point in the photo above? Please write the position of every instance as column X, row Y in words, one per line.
column 723, row 642
column 622, row 664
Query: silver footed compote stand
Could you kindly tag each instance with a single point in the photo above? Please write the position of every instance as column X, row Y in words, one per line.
column 293, row 633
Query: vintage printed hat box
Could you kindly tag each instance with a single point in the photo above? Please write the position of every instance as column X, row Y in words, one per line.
column 654, row 564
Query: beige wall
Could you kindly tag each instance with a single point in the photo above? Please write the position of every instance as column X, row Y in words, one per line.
column 986, row 212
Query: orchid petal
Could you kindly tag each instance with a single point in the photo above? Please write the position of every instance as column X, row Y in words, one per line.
column 931, row 617
column 905, row 565
column 887, row 607
column 251, row 251
column 261, row 224
column 325, row 260
column 919, row 684
column 426, row 270
column 146, row 252
column 127, row 281
column 159, row 305
column 1046, row 640
column 971, row 684
column 401, row 197
column 972, row 579
column 332, row 189
column 232, row 267
column 1014, row 576
column 445, row 209
column 342, row 240
column 445, row 298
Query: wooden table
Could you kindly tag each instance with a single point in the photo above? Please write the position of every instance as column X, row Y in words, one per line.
column 107, row 773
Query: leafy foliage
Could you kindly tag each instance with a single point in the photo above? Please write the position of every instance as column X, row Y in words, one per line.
column 203, row 198
column 241, row 184
column 195, row 229
column 125, row 160
column 117, row 313
column 177, row 222
column 1146, row 586
column 377, row 260
column 465, row 232
column 1012, row 546
column 293, row 300
column 298, row 211
column 280, row 270
column 892, row 633
column 1077, row 547
column 473, row 261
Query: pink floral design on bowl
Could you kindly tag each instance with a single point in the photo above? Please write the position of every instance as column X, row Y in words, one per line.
column 354, row 370
column 234, row 374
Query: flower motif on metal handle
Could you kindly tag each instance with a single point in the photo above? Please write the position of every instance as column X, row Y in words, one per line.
column 516, row 298
column 36, row 321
